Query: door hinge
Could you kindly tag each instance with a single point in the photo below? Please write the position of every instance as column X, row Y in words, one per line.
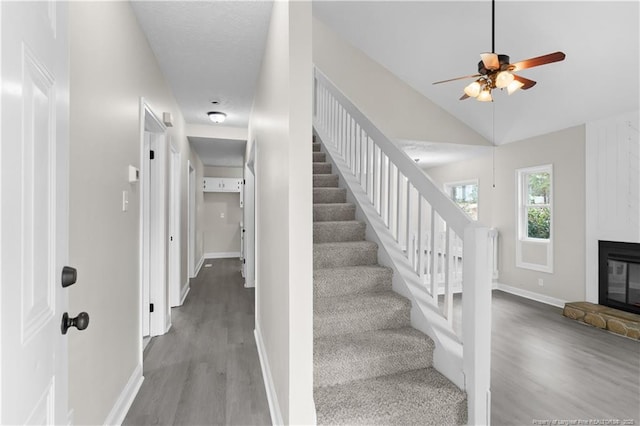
column 244, row 261
column 152, row 155
column 171, row 238
column 150, row 307
column 244, row 181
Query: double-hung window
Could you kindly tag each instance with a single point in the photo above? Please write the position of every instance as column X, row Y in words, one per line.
column 534, row 247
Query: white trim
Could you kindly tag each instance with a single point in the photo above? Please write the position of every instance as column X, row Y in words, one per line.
column 269, row 387
column 249, row 284
column 125, row 399
column 185, row 291
column 222, row 255
column 198, row 266
column 531, row 295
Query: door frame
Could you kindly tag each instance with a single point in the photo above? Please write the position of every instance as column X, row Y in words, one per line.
column 175, row 293
column 249, row 219
column 191, row 219
column 156, row 221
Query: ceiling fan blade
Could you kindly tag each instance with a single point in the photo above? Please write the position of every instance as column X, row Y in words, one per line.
column 457, row 78
column 527, row 84
column 490, row 61
column 540, row 60
column 465, row 96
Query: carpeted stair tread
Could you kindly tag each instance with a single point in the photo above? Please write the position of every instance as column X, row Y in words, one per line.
column 333, row 212
column 418, row 397
column 316, row 146
column 319, row 157
column 349, row 253
column 359, row 313
column 346, row 280
column 329, row 195
column 321, row 168
column 340, row 231
column 342, row 358
column 324, row 181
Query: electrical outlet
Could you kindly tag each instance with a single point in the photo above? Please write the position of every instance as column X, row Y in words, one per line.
column 222, row 215
column 540, row 282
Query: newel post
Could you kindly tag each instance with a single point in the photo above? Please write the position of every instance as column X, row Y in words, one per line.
column 476, row 328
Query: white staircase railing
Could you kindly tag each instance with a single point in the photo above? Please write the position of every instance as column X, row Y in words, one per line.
column 432, row 244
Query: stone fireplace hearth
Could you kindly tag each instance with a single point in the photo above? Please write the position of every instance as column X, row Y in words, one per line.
column 614, row 320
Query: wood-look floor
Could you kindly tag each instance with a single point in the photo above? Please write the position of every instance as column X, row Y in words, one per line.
column 206, row 370
column 548, row 367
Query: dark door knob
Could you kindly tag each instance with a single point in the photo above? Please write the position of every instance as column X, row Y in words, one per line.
column 69, row 276
column 80, row 322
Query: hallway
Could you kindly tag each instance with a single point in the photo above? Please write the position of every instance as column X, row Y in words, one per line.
column 205, row 370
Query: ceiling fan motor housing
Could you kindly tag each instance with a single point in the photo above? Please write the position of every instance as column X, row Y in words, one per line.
column 504, row 64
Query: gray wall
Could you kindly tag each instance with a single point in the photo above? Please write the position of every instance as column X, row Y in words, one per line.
column 111, row 66
column 564, row 149
column 280, row 125
column 397, row 109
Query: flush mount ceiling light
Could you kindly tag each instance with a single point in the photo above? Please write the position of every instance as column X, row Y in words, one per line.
column 217, row 116
column 495, row 71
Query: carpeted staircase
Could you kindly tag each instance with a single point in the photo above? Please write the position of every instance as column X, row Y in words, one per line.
column 370, row 365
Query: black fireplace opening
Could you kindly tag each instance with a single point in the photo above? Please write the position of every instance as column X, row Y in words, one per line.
column 619, row 275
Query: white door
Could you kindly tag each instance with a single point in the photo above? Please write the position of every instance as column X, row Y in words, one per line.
column 34, row 218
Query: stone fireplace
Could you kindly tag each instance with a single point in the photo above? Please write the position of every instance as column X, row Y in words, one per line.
column 619, row 275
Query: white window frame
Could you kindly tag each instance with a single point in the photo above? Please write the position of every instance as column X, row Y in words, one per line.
column 449, row 185
column 522, row 205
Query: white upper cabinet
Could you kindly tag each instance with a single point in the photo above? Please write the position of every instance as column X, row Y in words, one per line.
column 213, row 184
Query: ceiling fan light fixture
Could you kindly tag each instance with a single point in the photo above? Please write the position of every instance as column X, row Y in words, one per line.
column 514, row 86
column 472, row 90
column 503, row 79
column 217, row 116
column 485, row 96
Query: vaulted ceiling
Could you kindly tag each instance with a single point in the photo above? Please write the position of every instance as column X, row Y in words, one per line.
column 213, row 51
column 427, row 41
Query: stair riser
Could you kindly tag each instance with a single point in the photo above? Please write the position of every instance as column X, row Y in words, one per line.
column 346, row 283
column 319, row 157
column 333, row 257
column 325, row 181
column 355, row 322
column 326, row 213
column 321, row 168
column 329, row 195
column 316, row 147
column 332, row 232
column 333, row 374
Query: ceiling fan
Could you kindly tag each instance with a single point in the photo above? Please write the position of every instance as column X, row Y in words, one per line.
column 495, row 71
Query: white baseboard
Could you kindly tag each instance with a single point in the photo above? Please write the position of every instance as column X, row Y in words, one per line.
column 269, row 387
column 222, row 255
column 531, row 295
column 249, row 284
column 183, row 294
column 123, row 403
column 198, row 266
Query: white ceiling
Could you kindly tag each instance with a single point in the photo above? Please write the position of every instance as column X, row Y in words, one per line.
column 212, row 50
column 208, row 50
column 423, row 42
column 433, row 154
